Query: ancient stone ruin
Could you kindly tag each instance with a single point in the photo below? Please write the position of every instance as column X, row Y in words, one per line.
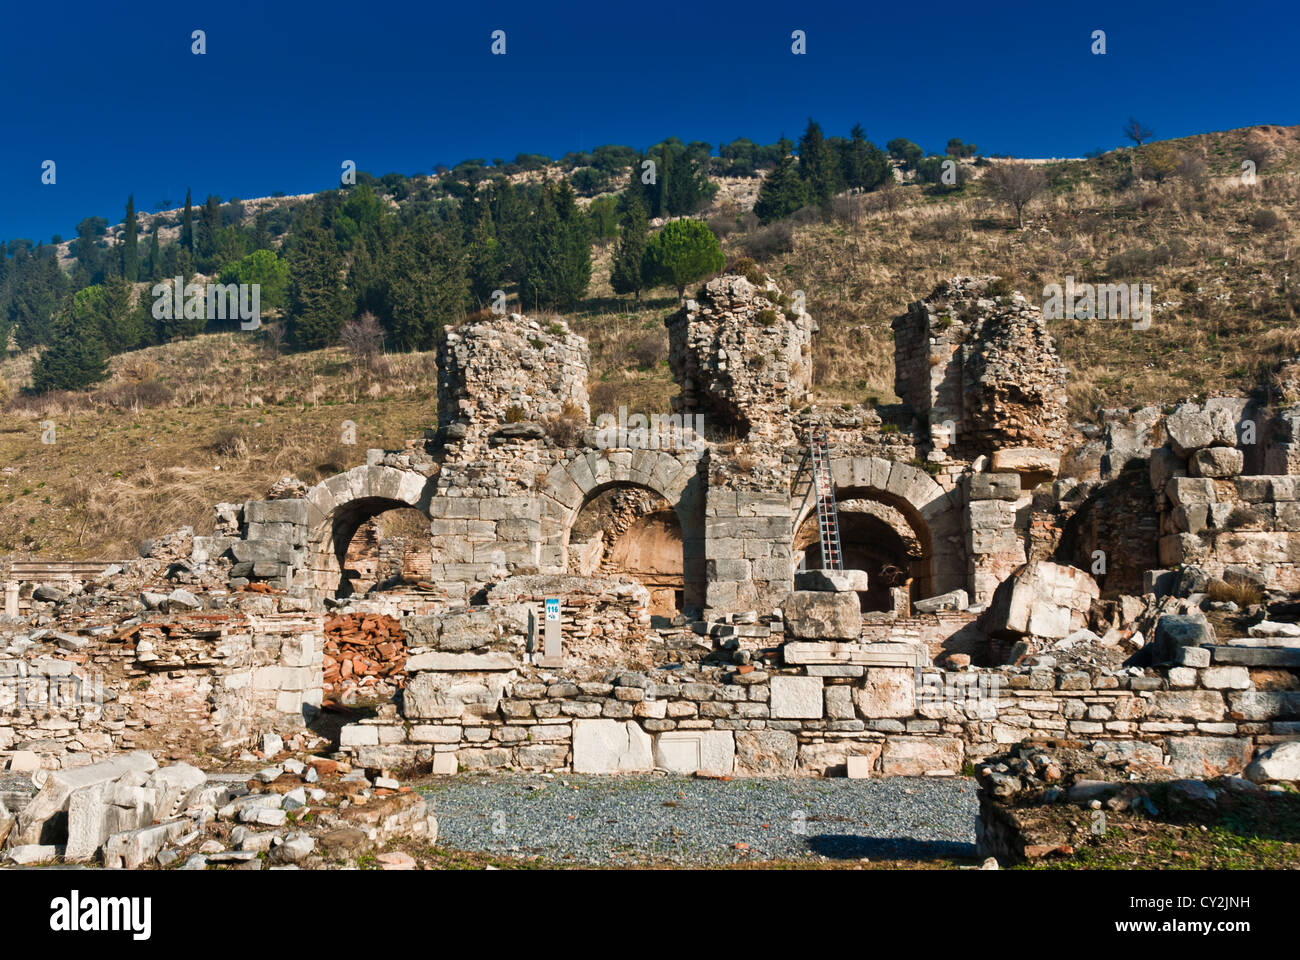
column 656, row 596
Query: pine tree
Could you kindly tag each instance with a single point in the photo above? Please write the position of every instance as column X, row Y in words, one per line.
column 261, row 235
column 573, row 273
column 818, row 165
column 318, row 303
column 426, row 288
column 782, row 193
column 187, row 224
column 862, row 164
column 75, row 358
column 130, row 253
column 683, row 251
column 625, row 274
column 483, row 260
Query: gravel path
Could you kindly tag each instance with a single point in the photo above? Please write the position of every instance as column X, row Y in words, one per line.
column 638, row 819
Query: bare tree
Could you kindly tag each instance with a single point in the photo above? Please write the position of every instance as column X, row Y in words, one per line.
column 1015, row 184
column 363, row 338
column 1136, row 131
column 1260, row 153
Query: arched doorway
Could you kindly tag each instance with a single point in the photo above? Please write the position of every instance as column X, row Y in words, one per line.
column 388, row 549
column 874, row 537
column 632, row 530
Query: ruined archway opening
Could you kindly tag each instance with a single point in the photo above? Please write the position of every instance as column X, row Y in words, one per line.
column 633, row 531
column 877, row 537
column 380, row 544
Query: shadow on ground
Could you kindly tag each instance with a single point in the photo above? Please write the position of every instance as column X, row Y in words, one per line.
column 850, row 847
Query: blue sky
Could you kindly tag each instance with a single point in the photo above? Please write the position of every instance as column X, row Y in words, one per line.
column 287, row 91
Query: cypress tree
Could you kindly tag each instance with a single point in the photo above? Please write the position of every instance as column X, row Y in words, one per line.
column 625, row 274
column 154, row 262
column 187, row 224
column 209, row 224
column 130, row 253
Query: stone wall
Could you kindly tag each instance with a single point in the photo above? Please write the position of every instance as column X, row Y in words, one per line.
column 190, row 683
column 980, row 372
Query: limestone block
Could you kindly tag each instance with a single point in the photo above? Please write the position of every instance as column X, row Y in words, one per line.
column 766, row 752
column 953, row 600
column 275, row 511
column 831, row 759
column 1186, row 705
column 691, row 751
column 817, row 615
column 1165, row 466
column 1042, row 599
column 1034, row 465
column 1185, row 490
column 1208, row 757
column 796, row 698
column 460, row 661
column 59, row 786
column 1278, row 763
column 610, row 746
column 831, row 581
column 1218, row 462
column 995, row 486
column 886, row 692
column 839, row 703
column 921, row 756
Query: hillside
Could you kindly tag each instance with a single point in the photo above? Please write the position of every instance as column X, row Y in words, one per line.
column 223, row 416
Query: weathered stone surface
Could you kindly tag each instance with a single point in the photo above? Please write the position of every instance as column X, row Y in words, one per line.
column 831, row 581
column 831, row 759
column 1277, row 763
column 794, row 698
column 1032, row 464
column 460, row 661
column 819, row 615
column 692, row 751
column 1208, row 757
column 921, row 756
column 1042, row 599
column 766, row 753
column 134, row 848
column 610, row 746
column 886, row 692
column 1190, row 431
column 1174, row 631
column 995, row 486
column 1218, row 462
column 60, row 785
column 952, row 600
column 1187, row 704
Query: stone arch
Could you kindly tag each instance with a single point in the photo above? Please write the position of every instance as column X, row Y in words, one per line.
column 337, row 507
column 571, row 485
column 929, row 511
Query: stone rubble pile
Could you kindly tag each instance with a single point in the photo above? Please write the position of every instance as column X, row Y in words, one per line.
column 128, row 812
